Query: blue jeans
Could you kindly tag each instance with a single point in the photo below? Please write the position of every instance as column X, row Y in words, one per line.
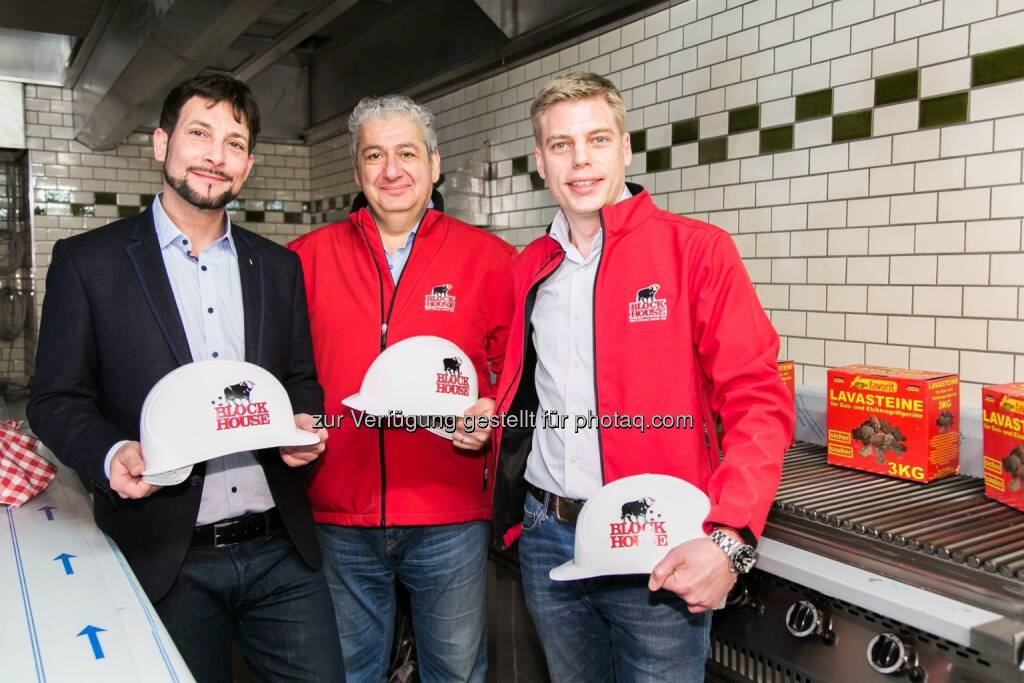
column 607, row 628
column 264, row 597
column 444, row 569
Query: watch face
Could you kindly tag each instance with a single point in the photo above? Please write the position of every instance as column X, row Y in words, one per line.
column 744, row 559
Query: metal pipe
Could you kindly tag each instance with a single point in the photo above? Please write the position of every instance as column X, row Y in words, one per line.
column 874, row 525
column 923, row 518
column 981, row 519
column 901, row 507
column 980, row 558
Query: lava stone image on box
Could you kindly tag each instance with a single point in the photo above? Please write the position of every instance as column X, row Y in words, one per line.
column 1014, row 466
column 945, row 421
column 880, row 438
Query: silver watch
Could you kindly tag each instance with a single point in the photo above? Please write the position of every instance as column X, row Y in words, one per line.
column 741, row 556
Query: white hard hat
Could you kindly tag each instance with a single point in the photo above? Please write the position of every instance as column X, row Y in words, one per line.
column 418, row 376
column 631, row 524
column 212, row 408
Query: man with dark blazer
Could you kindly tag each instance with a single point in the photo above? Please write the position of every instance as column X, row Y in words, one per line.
column 232, row 552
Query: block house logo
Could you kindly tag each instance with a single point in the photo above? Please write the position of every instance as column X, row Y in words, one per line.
column 235, row 409
column 451, row 380
column 638, row 524
column 647, row 306
column 439, row 299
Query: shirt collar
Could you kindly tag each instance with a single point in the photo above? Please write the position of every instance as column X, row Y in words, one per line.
column 560, row 228
column 168, row 233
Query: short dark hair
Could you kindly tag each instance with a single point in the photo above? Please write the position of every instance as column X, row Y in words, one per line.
column 216, row 88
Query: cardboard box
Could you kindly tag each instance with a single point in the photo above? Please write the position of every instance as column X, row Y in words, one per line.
column 787, row 373
column 901, row 423
column 1002, row 412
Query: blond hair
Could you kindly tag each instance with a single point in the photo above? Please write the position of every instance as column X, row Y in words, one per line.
column 577, row 85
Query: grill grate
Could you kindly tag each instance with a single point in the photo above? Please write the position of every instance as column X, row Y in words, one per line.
column 950, row 519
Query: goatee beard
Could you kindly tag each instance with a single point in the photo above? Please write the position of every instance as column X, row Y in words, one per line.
column 197, row 200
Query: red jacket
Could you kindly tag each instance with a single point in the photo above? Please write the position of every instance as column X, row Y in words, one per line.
column 391, row 477
column 678, row 330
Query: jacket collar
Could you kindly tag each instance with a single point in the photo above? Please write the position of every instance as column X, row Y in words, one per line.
column 621, row 217
column 147, row 260
column 625, row 216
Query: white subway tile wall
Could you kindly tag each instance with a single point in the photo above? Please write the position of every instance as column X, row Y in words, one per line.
column 866, row 156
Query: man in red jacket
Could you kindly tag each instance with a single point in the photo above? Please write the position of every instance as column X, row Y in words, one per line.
column 625, row 308
column 392, row 503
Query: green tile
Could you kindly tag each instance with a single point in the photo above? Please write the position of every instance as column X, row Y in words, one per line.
column 896, row 87
column 145, row 199
column 813, row 105
column 87, row 210
column 638, row 140
column 536, row 182
column 659, row 159
column 778, row 139
column 520, row 165
column 254, row 217
column 745, row 118
column 943, row 110
column 292, row 217
column 58, row 196
column 685, row 131
column 332, row 203
column 234, row 205
column 998, row 66
column 715, row 149
column 39, row 210
column 851, row 126
column 126, row 211
column 106, row 198
column 274, row 205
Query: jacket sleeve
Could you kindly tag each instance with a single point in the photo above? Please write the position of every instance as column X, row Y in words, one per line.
column 498, row 314
column 737, row 349
column 304, row 391
column 63, row 408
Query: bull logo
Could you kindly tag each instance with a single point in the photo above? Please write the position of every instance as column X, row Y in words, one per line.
column 647, row 294
column 453, row 366
column 439, row 299
column 647, row 306
column 636, row 510
column 237, row 393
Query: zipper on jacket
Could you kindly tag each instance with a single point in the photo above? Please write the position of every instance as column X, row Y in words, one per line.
column 593, row 323
column 385, row 321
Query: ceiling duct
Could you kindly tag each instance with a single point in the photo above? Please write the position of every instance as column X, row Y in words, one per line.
column 145, row 47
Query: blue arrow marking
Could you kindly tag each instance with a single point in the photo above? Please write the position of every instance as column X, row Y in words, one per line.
column 65, row 559
column 48, row 509
column 94, row 640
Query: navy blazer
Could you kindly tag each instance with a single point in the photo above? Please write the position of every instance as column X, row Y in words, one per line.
column 110, row 330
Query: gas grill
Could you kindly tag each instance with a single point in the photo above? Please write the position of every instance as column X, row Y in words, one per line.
column 864, row 578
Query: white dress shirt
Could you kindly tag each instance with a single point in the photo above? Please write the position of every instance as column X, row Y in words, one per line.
column 564, row 459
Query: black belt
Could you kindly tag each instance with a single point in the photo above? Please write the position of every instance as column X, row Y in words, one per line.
column 229, row 532
column 564, row 509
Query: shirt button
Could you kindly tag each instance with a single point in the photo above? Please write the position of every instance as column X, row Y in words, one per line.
column 216, row 355
column 234, row 489
column 578, row 316
column 209, row 310
column 203, row 267
column 184, row 241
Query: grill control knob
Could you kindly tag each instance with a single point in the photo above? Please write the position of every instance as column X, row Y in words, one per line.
column 804, row 620
column 887, row 654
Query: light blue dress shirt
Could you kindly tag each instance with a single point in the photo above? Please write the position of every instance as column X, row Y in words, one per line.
column 208, row 292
